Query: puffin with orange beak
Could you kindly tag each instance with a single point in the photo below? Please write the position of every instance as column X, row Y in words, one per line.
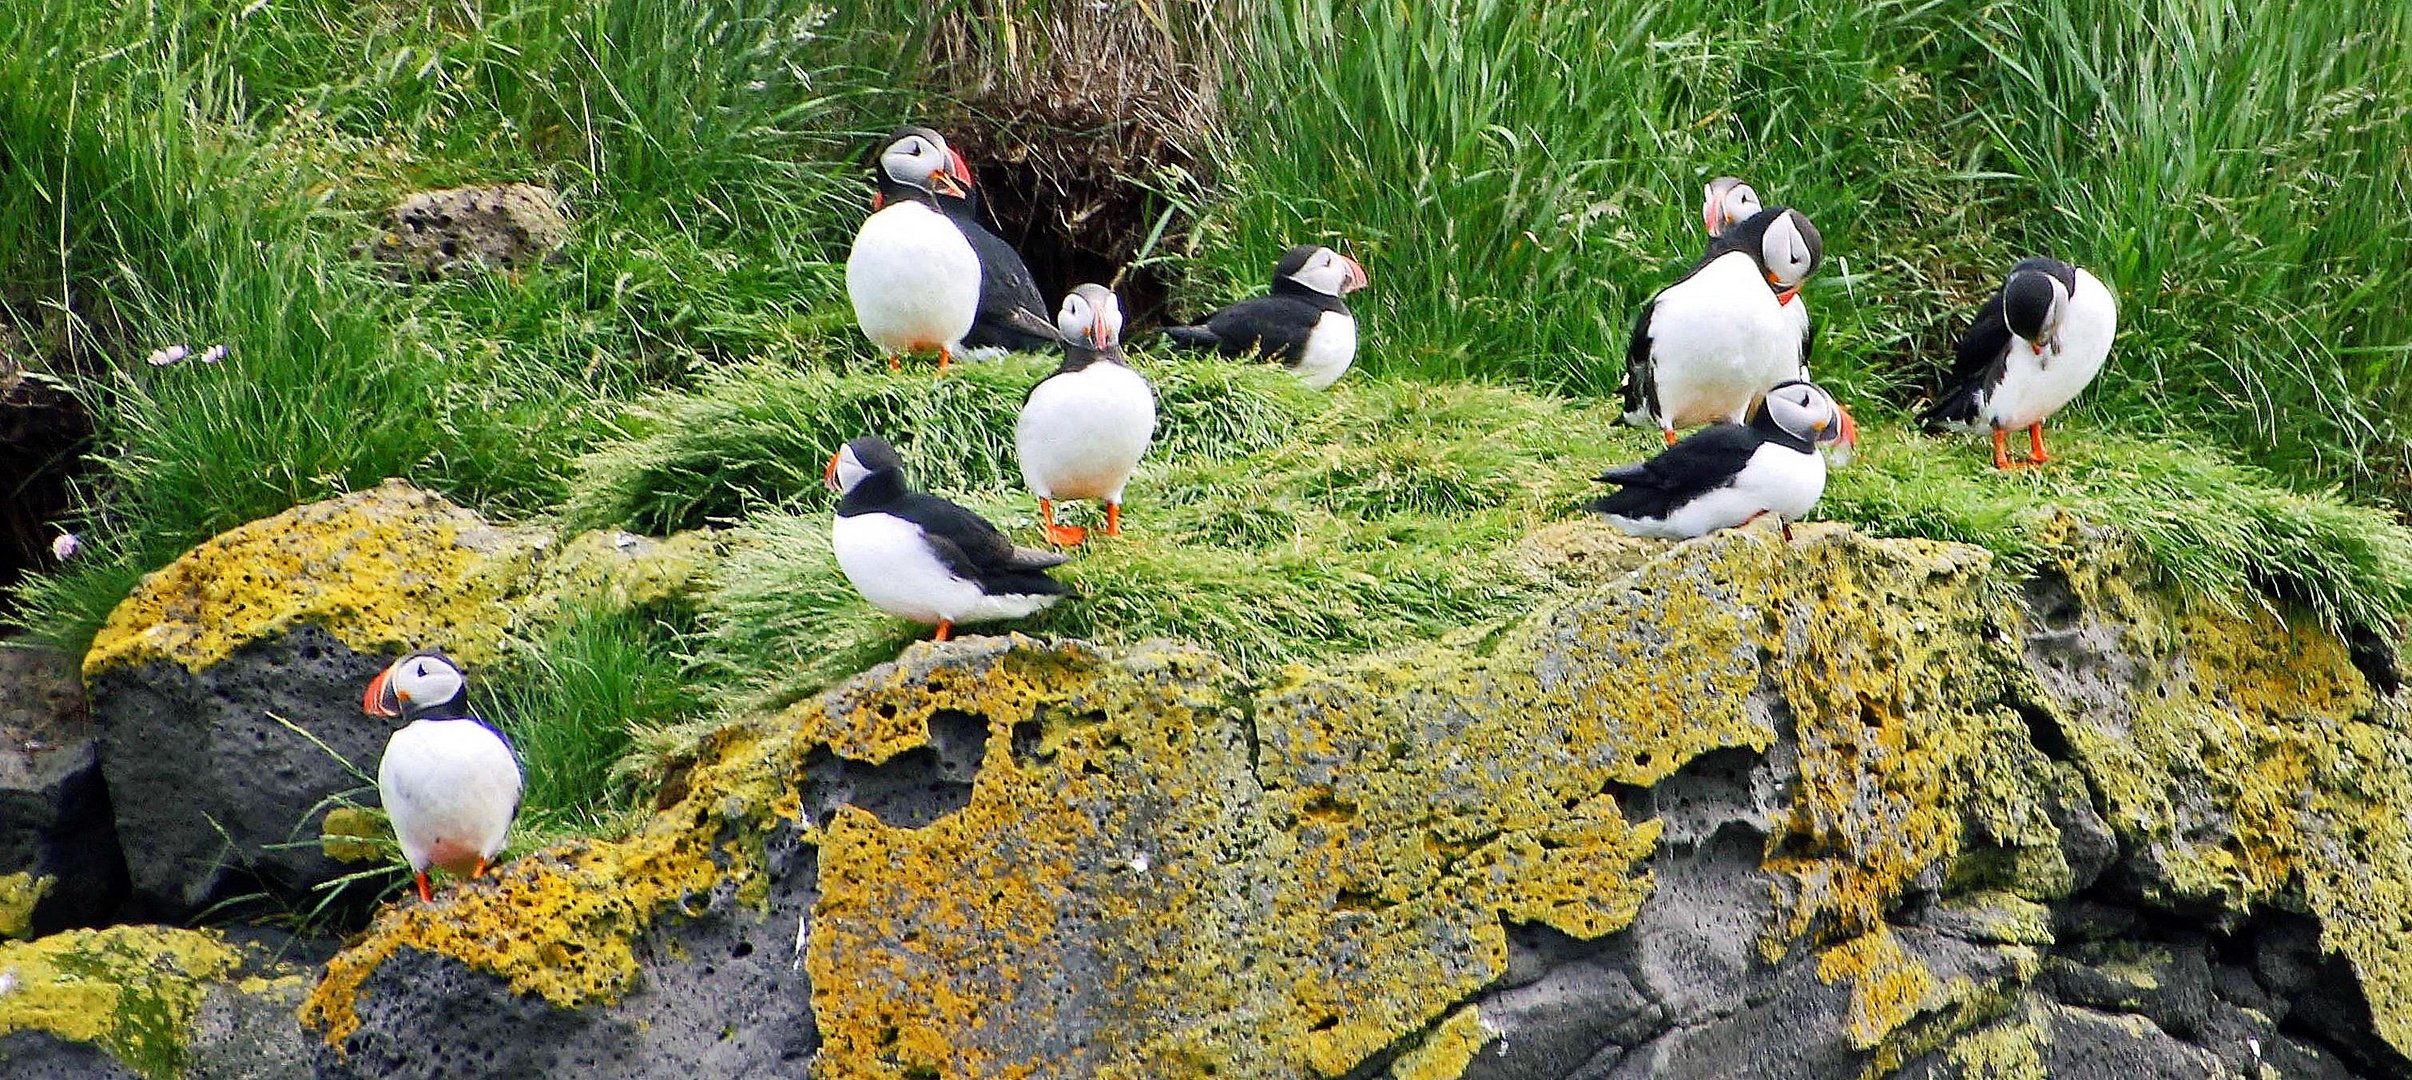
column 450, row 781
column 1728, row 475
column 919, row 557
column 912, row 274
column 1085, row 426
column 1725, row 202
column 1706, row 348
column 1012, row 314
column 2034, row 346
column 1303, row 323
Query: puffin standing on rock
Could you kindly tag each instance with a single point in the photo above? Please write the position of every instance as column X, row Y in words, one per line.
column 450, row 781
column 1084, row 428
column 1302, row 322
column 919, row 557
column 1706, row 347
column 1012, row 313
column 2035, row 345
column 1731, row 474
column 913, row 275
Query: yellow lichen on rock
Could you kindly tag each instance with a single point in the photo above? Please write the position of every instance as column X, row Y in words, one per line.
column 20, row 893
column 1445, row 1053
column 132, row 990
column 383, row 570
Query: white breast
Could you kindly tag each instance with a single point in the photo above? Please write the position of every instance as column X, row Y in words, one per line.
column 914, row 279
column 1081, row 434
column 1330, row 348
column 1718, row 340
column 2033, row 387
column 892, row 566
column 1776, row 480
column 451, row 787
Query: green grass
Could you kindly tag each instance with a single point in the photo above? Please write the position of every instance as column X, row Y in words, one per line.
column 575, row 702
column 1520, row 179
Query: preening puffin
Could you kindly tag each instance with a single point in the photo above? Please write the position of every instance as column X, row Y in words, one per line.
column 1729, row 474
column 1084, row 428
column 1012, row 312
column 1302, row 322
column 450, row 781
column 1710, row 344
column 2034, row 346
column 919, row 557
column 913, row 276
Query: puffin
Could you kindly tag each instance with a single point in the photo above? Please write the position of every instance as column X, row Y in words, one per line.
column 1727, row 475
column 2034, row 346
column 450, row 781
column 913, row 274
column 1727, row 201
column 1302, row 322
column 1706, row 347
column 1085, row 426
column 1012, row 314
column 919, row 557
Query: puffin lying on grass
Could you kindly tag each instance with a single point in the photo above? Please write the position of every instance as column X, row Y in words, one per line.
column 919, row 557
column 1302, row 322
column 450, row 781
column 912, row 274
column 1706, row 347
column 2036, row 344
column 1084, row 427
column 1731, row 474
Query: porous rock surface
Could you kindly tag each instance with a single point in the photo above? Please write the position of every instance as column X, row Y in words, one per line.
column 59, row 863
column 152, row 1002
column 499, row 226
column 1842, row 808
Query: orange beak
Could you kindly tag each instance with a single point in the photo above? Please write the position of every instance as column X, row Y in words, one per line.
column 829, row 475
column 380, row 700
column 1356, row 278
column 944, row 183
column 1850, row 427
column 2037, row 346
column 1783, row 295
column 1096, row 334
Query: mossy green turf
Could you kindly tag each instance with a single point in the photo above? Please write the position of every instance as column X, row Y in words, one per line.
column 200, row 171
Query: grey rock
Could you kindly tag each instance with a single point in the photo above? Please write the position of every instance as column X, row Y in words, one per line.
column 2085, row 1045
column 1550, row 1028
column 250, row 1035
column 40, row 1055
column 213, row 797
column 1796, row 1033
column 2170, row 985
column 435, row 233
column 54, row 809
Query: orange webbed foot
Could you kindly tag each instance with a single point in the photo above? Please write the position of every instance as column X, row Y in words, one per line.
column 1670, row 434
column 946, row 631
column 426, row 895
column 1064, row 535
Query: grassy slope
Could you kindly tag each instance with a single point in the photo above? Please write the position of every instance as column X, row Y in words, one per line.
column 209, row 164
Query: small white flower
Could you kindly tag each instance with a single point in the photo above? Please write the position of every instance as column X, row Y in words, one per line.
column 212, row 355
column 168, row 355
column 8, row 981
column 1140, row 863
column 65, row 545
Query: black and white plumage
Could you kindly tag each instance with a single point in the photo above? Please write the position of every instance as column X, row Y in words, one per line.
column 1706, row 347
column 919, row 557
column 1302, row 322
column 1012, row 313
column 2035, row 345
column 913, row 275
column 1084, row 427
column 450, row 781
column 1729, row 474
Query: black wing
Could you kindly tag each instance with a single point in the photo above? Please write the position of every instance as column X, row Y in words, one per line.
column 1983, row 350
column 1013, row 314
column 1274, row 326
column 1640, row 387
column 972, row 547
column 1704, row 461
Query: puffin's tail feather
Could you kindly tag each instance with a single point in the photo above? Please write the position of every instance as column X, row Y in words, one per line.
column 1955, row 411
column 1192, row 337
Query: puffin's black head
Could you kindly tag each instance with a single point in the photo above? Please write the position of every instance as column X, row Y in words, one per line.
column 1805, row 413
column 425, row 683
column 1090, row 317
column 2032, row 302
column 1321, row 269
column 1727, row 202
column 859, row 460
column 1782, row 241
column 916, row 160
